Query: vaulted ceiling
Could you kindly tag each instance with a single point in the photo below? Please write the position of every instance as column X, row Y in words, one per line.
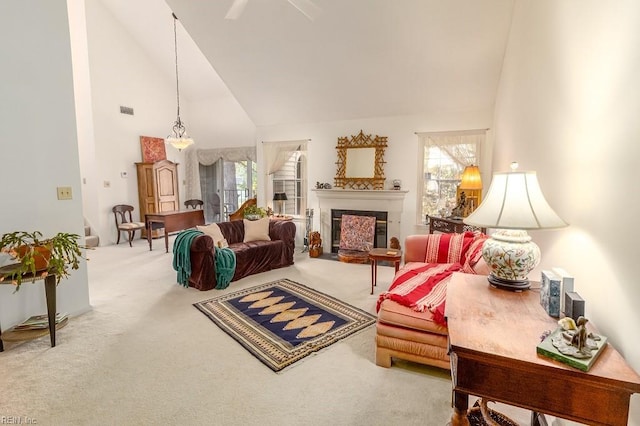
column 355, row 59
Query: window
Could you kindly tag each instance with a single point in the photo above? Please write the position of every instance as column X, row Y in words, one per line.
column 289, row 180
column 444, row 157
column 286, row 165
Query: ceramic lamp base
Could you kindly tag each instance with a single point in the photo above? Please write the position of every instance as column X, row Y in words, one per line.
column 511, row 255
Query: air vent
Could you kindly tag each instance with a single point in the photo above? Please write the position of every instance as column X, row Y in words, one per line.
column 126, row 110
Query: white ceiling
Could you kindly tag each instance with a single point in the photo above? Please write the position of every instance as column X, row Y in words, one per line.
column 357, row 59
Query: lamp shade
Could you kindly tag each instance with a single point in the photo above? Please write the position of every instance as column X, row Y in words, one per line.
column 515, row 201
column 280, row 196
column 471, row 178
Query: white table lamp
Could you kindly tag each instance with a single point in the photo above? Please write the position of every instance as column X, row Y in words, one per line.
column 514, row 204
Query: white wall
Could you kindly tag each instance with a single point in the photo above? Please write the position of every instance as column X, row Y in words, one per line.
column 39, row 147
column 401, row 155
column 122, row 73
column 567, row 107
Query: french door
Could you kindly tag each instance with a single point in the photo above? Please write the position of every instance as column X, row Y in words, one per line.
column 225, row 185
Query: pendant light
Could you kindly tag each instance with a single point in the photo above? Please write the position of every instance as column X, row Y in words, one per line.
column 178, row 138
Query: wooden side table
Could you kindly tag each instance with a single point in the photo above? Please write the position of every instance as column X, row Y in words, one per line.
column 493, row 335
column 50, row 293
column 383, row 254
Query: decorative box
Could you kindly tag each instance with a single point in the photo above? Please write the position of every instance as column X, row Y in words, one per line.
column 550, row 293
column 573, row 305
column 565, row 287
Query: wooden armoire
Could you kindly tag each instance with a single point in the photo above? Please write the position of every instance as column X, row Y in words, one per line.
column 157, row 189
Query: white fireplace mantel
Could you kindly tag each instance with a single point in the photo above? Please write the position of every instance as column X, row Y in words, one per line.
column 390, row 201
column 360, row 194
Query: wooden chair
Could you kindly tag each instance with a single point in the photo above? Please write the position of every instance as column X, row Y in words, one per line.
column 124, row 221
column 194, row 204
column 239, row 214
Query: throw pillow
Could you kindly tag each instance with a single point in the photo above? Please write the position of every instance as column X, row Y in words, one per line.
column 448, row 248
column 256, row 230
column 473, row 263
column 212, row 230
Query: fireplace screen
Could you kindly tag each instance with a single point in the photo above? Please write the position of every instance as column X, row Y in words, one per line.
column 380, row 239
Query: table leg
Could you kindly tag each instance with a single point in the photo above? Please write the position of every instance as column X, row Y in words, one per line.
column 538, row 419
column 460, row 408
column 50, row 293
column 397, row 266
column 166, row 239
column 373, row 273
column 149, row 234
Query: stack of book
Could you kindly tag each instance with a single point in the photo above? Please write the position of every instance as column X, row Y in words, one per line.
column 38, row 322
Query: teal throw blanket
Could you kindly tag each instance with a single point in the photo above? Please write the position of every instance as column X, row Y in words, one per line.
column 225, row 267
column 182, row 255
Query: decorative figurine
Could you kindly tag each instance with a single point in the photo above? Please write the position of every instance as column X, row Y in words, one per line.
column 394, row 243
column 575, row 341
column 315, row 244
column 458, row 211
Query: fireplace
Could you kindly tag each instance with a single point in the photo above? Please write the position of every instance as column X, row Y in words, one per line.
column 389, row 202
column 380, row 239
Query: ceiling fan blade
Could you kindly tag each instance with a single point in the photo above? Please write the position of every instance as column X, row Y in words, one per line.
column 236, row 9
column 307, row 8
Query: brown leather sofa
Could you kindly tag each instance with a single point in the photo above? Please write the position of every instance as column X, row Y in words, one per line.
column 404, row 333
column 251, row 257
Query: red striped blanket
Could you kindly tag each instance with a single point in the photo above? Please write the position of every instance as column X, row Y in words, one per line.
column 422, row 286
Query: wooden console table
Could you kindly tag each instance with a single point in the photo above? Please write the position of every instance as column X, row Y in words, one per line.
column 449, row 225
column 172, row 222
column 493, row 335
column 50, row 294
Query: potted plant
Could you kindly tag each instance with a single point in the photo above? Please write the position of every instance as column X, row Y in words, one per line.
column 254, row 212
column 35, row 256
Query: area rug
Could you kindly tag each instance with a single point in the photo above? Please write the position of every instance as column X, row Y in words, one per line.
column 283, row 321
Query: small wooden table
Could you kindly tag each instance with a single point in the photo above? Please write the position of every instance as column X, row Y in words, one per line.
column 383, row 254
column 172, row 222
column 50, row 294
column 493, row 335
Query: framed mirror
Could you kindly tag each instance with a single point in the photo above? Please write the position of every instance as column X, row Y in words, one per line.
column 360, row 162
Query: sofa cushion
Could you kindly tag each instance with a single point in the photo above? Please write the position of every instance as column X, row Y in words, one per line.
column 422, row 287
column 393, row 313
column 258, row 256
column 473, row 263
column 256, row 230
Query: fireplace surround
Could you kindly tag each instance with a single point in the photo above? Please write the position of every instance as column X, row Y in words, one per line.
column 389, row 201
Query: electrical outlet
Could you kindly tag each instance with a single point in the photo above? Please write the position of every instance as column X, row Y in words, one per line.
column 64, row 193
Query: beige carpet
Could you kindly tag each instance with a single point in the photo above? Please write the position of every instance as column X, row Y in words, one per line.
column 144, row 355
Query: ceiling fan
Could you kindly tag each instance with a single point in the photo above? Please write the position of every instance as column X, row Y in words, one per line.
column 306, row 7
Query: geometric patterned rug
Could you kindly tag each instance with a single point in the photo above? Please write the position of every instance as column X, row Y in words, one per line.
column 282, row 322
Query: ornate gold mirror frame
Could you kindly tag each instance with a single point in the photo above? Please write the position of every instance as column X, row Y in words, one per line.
column 346, row 145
